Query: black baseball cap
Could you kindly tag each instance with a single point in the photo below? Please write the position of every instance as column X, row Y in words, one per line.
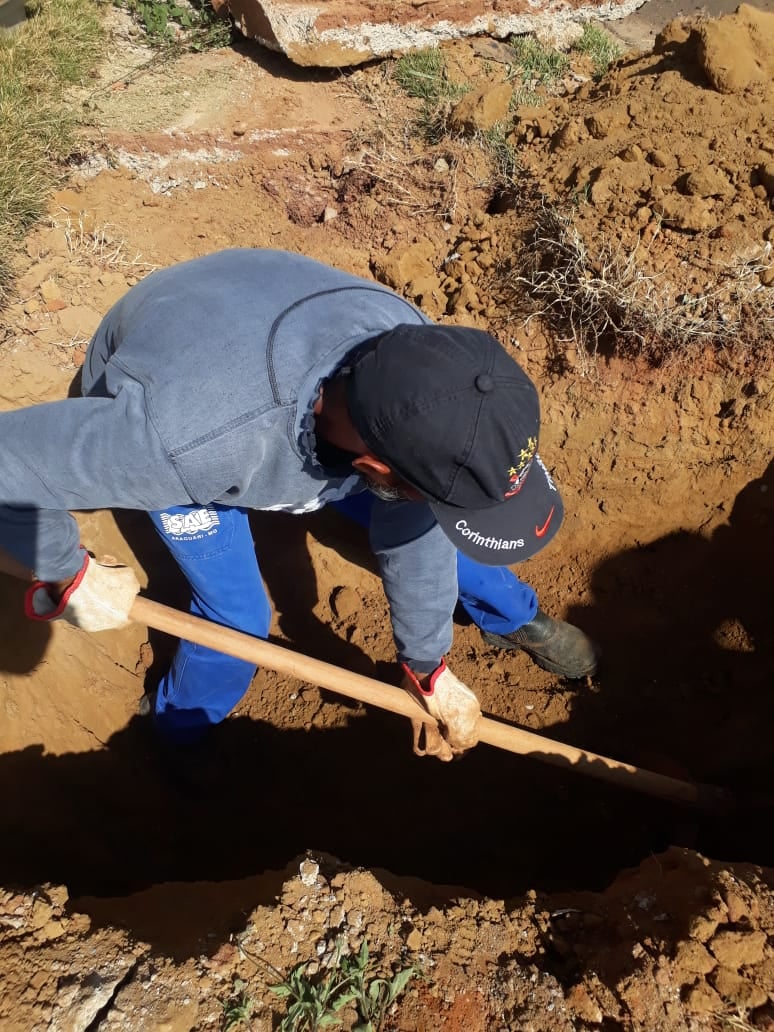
column 451, row 412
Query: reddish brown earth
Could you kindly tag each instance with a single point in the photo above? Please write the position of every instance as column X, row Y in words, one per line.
column 665, row 169
column 528, row 896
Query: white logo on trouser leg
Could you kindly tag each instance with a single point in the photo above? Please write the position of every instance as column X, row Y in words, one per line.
column 197, row 521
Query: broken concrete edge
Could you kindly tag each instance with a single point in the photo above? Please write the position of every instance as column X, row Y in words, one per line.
column 292, row 30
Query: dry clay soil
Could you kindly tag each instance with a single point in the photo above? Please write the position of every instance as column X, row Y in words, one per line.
column 527, row 896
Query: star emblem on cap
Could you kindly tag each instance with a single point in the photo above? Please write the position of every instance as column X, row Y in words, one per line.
column 518, row 471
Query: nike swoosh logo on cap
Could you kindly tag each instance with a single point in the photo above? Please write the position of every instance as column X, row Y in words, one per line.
column 541, row 531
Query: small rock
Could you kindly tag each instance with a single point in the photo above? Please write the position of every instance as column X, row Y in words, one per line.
column 708, row 182
column 50, row 290
column 481, row 108
column 57, row 242
column 584, row 1005
column 736, row 990
column 441, row 165
column 737, row 949
column 659, row 158
column 308, row 871
column 737, row 908
column 702, row 927
column 224, row 956
column 702, row 999
column 79, row 321
column 329, row 214
column 690, row 213
column 52, row 930
column 694, row 958
column 567, row 136
column 414, row 940
column 240, row 129
column 607, row 122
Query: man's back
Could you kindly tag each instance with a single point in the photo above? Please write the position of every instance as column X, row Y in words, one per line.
column 221, row 344
column 199, row 387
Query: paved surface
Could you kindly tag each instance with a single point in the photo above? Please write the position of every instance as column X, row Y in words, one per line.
column 639, row 30
column 11, row 13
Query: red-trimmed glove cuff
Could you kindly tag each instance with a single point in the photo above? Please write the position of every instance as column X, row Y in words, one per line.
column 433, row 678
column 59, row 608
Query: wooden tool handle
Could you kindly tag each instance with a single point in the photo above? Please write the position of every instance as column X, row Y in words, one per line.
column 375, row 693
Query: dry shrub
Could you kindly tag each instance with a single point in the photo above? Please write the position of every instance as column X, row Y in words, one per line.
column 99, row 245
column 604, row 297
column 400, row 181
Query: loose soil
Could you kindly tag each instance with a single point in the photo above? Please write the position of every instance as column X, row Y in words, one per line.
column 528, row 896
column 666, row 171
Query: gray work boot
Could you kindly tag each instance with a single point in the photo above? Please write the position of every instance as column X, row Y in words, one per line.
column 554, row 645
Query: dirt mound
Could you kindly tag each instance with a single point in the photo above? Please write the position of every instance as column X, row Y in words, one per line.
column 737, row 53
column 666, row 166
column 672, row 945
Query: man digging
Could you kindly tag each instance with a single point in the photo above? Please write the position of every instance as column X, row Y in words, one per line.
column 253, row 379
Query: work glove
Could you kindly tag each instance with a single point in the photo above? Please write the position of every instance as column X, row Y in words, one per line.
column 453, row 705
column 99, row 598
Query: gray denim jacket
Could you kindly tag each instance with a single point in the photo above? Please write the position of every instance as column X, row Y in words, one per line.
column 198, row 387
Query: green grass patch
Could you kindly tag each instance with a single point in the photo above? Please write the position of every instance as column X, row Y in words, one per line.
column 600, row 47
column 55, row 49
column 190, row 23
column 238, row 1008
column 523, row 96
column 537, row 64
column 317, row 1002
column 422, row 74
column 496, row 142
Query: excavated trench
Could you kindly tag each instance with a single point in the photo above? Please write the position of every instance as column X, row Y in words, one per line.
column 685, row 688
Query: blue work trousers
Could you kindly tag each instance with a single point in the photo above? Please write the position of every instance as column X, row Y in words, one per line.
column 214, row 548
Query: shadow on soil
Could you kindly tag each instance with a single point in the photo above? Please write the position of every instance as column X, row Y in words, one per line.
column 687, row 677
column 689, row 660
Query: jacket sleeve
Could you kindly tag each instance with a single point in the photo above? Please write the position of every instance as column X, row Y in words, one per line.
column 418, row 565
column 77, row 454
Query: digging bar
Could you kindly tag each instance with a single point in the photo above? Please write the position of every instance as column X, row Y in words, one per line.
column 517, row 740
column 395, row 700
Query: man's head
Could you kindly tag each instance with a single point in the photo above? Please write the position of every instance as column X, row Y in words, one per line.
column 445, row 415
